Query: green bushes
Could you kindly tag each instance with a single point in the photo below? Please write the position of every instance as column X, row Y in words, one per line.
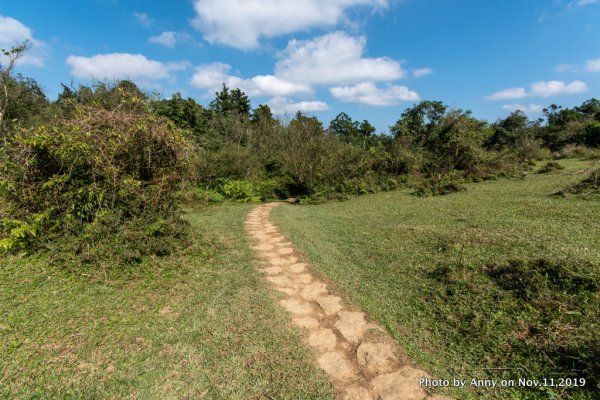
column 439, row 186
column 590, row 185
column 577, row 151
column 242, row 191
column 69, row 177
column 550, row 166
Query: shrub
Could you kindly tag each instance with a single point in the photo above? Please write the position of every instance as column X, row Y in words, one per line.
column 271, row 189
column 65, row 178
column 550, row 166
column 229, row 162
column 439, row 186
column 577, row 151
column 241, row 191
column 591, row 134
column 590, row 185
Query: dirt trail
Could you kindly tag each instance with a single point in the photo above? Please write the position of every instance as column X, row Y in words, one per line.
column 362, row 360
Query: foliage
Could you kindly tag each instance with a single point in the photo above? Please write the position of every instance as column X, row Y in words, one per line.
column 241, row 191
column 72, row 175
column 12, row 89
column 591, row 135
column 550, row 166
column 228, row 102
column 451, row 140
column 576, row 151
column 590, row 185
column 571, row 125
column 122, row 95
column 26, row 103
column 351, row 131
column 185, row 113
column 445, row 185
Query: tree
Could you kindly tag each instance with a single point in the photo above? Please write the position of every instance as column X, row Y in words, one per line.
column 306, row 155
column 508, row 131
column 343, row 127
column 12, row 56
column 231, row 102
column 590, row 108
column 262, row 113
column 591, row 135
column 27, row 102
column 351, row 131
column 417, row 123
column 185, row 113
column 366, row 130
column 448, row 140
column 240, row 103
column 123, row 94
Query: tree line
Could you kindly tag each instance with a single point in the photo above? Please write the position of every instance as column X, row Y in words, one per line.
column 107, row 157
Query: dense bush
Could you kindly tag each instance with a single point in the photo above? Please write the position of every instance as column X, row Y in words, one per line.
column 550, row 166
column 89, row 175
column 445, row 185
column 590, row 185
column 242, row 191
column 577, row 151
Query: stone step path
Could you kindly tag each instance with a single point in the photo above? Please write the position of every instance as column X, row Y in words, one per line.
column 362, row 360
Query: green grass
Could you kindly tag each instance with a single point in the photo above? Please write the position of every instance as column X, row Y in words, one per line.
column 500, row 281
column 197, row 325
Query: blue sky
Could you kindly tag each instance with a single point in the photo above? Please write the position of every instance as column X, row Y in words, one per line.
column 369, row 58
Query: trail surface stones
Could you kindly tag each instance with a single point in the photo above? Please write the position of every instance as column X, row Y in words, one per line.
column 361, row 365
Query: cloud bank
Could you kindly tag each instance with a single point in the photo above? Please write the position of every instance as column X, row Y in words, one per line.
column 121, row 66
column 241, row 23
column 540, row 89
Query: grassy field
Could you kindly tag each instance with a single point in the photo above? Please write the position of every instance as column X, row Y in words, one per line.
column 198, row 325
column 501, row 281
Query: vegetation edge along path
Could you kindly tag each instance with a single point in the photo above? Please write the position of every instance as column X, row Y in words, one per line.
column 362, row 360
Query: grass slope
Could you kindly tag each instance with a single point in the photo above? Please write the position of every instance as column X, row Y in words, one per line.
column 200, row 325
column 494, row 277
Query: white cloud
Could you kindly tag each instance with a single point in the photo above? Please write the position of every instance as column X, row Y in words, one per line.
column 170, row 38
column 14, row 32
column 527, row 109
column 334, row 58
column 241, row 23
column 540, row 89
column 593, row 65
column 582, row 3
column 166, row 39
column 178, row 65
column 121, row 66
column 565, row 68
column 512, row 93
column 556, row 88
column 212, row 76
column 421, row 72
column 282, row 106
column 143, row 19
column 369, row 94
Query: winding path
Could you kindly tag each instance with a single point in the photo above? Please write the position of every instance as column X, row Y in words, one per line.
column 362, row 360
